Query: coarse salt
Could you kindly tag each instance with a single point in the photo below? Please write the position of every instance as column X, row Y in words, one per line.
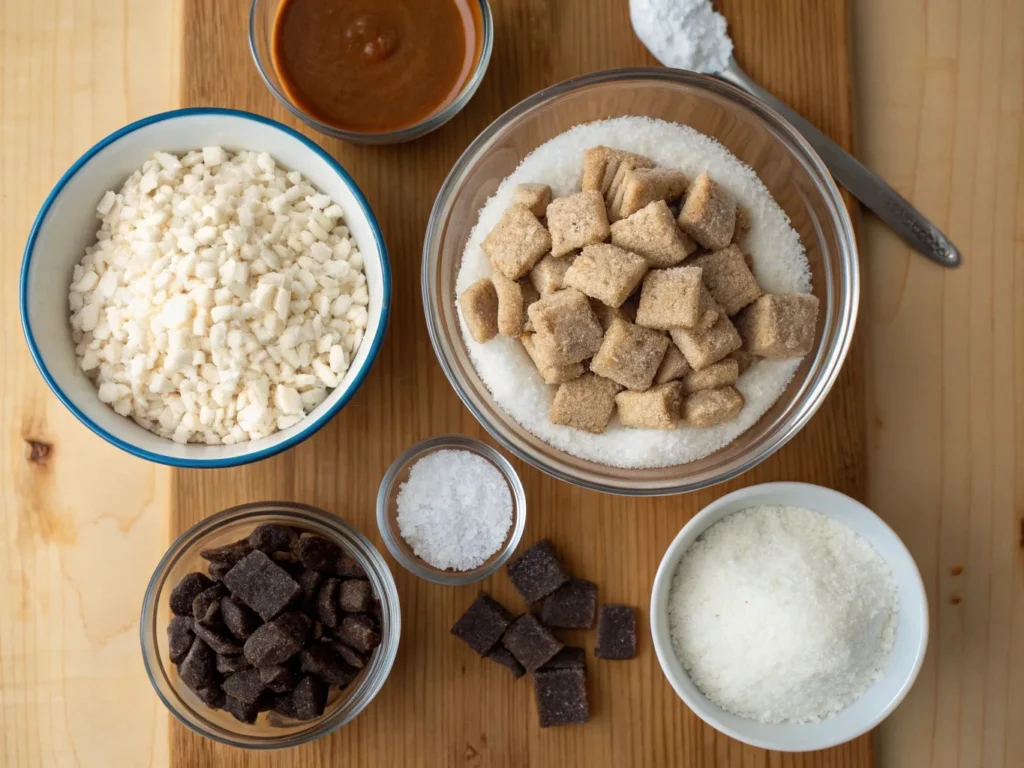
column 782, row 614
column 454, row 510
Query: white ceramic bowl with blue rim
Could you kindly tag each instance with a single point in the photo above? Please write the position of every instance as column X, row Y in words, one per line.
column 905, row 658
column 67, row 224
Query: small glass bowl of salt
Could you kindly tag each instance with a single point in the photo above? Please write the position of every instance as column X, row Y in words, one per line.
column 451, row 510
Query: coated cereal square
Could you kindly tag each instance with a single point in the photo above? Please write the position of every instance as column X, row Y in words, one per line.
column 728, row 278
column 643, row 186
column 671, row 298
column 708, row 214
column 517, row 242
column 587, row 403
column 720, row 374
column 704, row 348
column 535, row 197
column 547, row 276
column 630, row 354
column 711, row 407
column 510, row 315
column 552, row 374
column 652, row 232
column 577, row 221
column 606, row 273
column 673, row 366
column 565, row 327
column 778, row 326
column 600, row 164
column 656, row 408
column 479, row 304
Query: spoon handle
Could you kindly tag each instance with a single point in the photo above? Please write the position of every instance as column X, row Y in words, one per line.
column 892, row 208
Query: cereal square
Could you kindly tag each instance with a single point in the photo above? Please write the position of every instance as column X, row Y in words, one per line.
column 708, row 214
column 483, row 624
column 576, row 221
column 537, row 572
column 530, row 642
column 613, row 197
column 720, row 374
column 606, row 273
column 561, row 696
column 605, row 314
column 643, row 186
column 600, row 164
column 586, row 403
column 552, row 374
column 616, row 633
column 710, row 407
column 671, row 298
column 479, row 305
column 778, row 326
column 530, row 296
column 673, row 366
column 510, row 305
column 534, row 196
column 656, row 408
column 709, row 310
column 547, row 276
column 704, row 348
column 728, row 278
column 630, row 354
column 571, row 606
column 652, row 233
column 517, row 242
column 565, row 327
column 744, row 359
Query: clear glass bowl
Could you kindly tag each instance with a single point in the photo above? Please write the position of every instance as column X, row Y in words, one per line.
column 261, row 27
column 787, row 165
column 387, row 511
column 232, row 525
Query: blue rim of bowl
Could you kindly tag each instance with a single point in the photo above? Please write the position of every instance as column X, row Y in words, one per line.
column 409, row 133
column 245, row 458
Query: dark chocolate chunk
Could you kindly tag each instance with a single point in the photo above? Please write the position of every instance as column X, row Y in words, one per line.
column 355, row 596
column 616, row 633
column 284, row 558
column 318, row 630
column 243, row 711
column 278, row 640
column 206, row 605
column 567, row 658
column 530, row 642
column 348, row 568
column 229, row 553
column 358, row 631
column 279, row 678
column 262, row 585
column 327, row 602
column 219, row 640
column 317, row 553
column 306, row 702
column 571, row 606
column 503, row 656
column 351, row 656
column 198, row 668
column 179, row 638
column 537, row 572
column 218, row 569
column 240, row 621
column 185, row 592
column 561, row 696
column 211, row 696
column 310, row 582
column 483, row 624
column 270, row 537
column 322, row 660
column 246, row 685
column 228, row 665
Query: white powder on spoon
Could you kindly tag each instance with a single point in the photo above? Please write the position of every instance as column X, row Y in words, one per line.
column 454, row 510
column 782, row 614
column 684, row 34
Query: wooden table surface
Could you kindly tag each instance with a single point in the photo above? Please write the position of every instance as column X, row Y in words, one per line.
column 939, row 86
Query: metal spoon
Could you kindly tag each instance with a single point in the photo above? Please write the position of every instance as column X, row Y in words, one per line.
column 892, row 208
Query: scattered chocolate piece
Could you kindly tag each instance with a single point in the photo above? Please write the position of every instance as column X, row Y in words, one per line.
column 211, row 696
column 218, row 570
column 358, row 630
column 242, row 711
column 567, row 658
column 309, row 581
column 246, row 685
column 206, row 605
column 197, row 670
column 355, row 596
column 262, row 585
column 483, row 624
column 229, row 553
column 270, row 537
column 186, row 590
column 317, row 553
column 561, row 696
column 322, row 660
column 502, row 655
column 537, row 572
column 306, row 702
column 351, row 656
column 179, row 638
column 240, row 621
column 616, row 633
column 220, row 642
column 228, row 665
column 278, row 640
column 327, row 602
column 530, row 642
column 571, row 606
column 348, row 568
column 278, row 678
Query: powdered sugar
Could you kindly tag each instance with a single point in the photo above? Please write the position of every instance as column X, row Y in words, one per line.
column 685, row 34
column 779, row 263
column 454, row 510
column 782, row 614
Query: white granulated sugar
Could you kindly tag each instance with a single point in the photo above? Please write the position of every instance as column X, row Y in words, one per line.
column 782, row 614
column 454, row 510
column 779, row 262
column 685, row 34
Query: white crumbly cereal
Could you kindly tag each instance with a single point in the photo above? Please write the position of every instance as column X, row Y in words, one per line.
column 222, row 300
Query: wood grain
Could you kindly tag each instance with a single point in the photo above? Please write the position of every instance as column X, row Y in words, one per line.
column 76, row 553
column 442, row 705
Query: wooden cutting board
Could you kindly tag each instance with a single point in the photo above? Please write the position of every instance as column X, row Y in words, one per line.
column 442, row 706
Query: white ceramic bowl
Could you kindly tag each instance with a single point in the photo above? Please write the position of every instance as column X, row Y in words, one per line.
column 904, row 661
column 67, row 223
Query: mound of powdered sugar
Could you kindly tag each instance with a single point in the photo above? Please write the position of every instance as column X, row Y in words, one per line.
column 685, row 34
column 779, row 263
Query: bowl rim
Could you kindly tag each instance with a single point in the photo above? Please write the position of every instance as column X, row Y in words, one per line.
column 427, row 125
column 849, row 263
column 697, row 525
column 415, row 565
column 315, row 425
